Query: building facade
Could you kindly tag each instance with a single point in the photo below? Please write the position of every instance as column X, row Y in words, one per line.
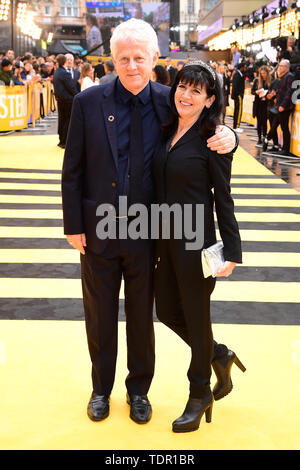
column 63, row 24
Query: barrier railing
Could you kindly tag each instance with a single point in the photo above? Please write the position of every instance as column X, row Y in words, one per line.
column 24, row 105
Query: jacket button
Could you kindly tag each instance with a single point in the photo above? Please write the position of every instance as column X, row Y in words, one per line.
column 113, row 184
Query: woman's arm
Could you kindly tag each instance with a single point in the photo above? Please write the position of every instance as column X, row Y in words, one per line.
column 220, row 174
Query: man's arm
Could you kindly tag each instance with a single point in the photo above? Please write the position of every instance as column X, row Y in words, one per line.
column 224, row 141
column 286, row 102
column 69, row 84
column 72, row 175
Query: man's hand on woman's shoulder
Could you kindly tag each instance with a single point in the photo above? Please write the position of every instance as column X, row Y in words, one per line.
column 224, row 141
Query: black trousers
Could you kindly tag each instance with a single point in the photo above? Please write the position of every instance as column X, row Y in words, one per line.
column 182, row 298
column 284, row 124
column 101, row 281
column 238, row 111
column 274, row 123
column 64, row 113
column 262, row 118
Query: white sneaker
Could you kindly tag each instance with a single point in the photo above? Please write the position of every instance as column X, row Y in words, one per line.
column 238, row 130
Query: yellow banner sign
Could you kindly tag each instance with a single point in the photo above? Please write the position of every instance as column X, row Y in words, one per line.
column 13, row 108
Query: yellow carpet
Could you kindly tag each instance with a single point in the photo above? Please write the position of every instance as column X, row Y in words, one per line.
column 45, row 365
column 45, row 387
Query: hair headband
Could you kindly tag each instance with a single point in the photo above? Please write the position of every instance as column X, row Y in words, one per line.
column 202, row 64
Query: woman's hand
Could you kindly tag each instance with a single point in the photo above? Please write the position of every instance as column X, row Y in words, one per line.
column 226, row 269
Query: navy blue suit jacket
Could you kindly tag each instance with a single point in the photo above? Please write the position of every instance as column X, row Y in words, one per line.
column 90, row 167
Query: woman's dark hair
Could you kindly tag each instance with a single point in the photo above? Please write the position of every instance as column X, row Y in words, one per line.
column 197, row 75
column 162, row 75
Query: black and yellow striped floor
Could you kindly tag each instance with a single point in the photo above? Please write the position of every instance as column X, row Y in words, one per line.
column 44, row 362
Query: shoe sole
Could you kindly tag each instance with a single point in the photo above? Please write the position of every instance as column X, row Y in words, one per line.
column 99, row 419
column 219, row 397
column 185, row 430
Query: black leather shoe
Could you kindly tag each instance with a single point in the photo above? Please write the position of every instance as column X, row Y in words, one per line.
column 194, row 410
column 222, row 368
column 98, row 407
column 140, row 408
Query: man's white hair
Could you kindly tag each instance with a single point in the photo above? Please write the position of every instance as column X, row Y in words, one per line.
column 138, row 31
column 286, row 62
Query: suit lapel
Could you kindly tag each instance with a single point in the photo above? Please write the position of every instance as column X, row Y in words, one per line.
column 109, row 113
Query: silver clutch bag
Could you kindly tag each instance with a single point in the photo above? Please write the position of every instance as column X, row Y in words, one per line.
column 212, row 259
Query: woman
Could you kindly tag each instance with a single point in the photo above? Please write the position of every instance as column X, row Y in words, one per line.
column 86, row 77
column 260, row 89
column 161, row 75
column 185, row 172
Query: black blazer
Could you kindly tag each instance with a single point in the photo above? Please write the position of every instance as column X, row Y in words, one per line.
column 64, row 86
column 187, row 174
column 238, row 85
column 90, row 168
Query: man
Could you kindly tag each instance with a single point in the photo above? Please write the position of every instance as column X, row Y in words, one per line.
column 251, row 69
column 113, row 133
column 236, row 55
column 6, row 75
column 99, row 71
column 172, row 70
column 64, row 90
column 284, row 103
column 75, row 74
column 109, row 72
column 10, row 55
column 292, row 52
column 237, row 94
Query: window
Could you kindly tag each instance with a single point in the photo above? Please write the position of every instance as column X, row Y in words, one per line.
column 47, row 10
column 209, row 4
column 69, row 8
column 191, row 7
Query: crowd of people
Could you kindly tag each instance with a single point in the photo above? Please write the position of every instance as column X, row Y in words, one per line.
column 270, row 84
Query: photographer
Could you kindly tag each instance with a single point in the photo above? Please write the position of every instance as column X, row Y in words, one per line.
column 290, row 52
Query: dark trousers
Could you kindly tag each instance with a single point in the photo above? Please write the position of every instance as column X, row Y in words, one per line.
column 101, row 281
column 274, row 123
column 284, row 124
column 182, row 298
column 64, row 113
column 238, row 111
column 262, row 118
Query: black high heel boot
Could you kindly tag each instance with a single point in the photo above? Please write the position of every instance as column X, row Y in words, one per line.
column 194, row 410
column 222, row 368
